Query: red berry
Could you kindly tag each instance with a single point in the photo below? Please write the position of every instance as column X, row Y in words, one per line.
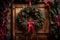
column 56, row 16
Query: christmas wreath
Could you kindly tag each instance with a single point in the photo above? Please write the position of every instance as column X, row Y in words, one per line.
column 30, row 17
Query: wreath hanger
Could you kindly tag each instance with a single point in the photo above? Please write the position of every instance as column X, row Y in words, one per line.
column 30, row 3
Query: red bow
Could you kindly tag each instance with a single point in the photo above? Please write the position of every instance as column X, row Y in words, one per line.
column 30, row 26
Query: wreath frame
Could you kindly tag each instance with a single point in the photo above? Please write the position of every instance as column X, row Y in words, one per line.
column 40, row 19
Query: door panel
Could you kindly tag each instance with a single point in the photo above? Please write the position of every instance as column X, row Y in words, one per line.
column 40, row 34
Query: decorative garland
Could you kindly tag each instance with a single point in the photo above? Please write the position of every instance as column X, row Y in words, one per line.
column 53, row 18
column 30, row 16
column 53, row 15
column 3, row 24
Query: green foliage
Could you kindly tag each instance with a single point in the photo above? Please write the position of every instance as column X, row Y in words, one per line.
column 52, row 13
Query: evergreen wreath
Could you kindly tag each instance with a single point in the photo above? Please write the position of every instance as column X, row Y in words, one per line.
column 27, row 14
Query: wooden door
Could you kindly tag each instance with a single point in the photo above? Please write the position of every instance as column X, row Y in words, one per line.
column 40, row 34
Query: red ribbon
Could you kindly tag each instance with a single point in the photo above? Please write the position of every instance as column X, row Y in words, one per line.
column 30, row 26
column 30, row 3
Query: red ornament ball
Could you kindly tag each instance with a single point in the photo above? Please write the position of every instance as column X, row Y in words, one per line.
column 47, row 4
column 56, row 16
column 58, row 24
